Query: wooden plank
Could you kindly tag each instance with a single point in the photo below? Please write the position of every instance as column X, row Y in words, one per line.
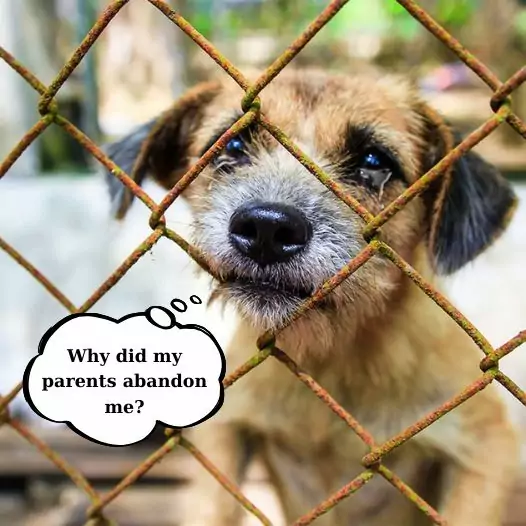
column 145, row 507
column 135, row 505
column 95, row 461
column 19, row 458
column 161, row 506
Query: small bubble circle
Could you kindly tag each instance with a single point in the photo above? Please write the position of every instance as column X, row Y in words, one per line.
column 196, row 300
column 169, row 314
column 182, row 305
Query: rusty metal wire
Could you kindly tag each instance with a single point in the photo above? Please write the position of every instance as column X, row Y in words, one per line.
column 501, row 105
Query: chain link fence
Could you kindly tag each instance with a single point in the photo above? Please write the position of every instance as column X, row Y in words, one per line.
column 50, row 115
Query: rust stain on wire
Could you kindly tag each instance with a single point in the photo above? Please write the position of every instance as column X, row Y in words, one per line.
column 505, row 90
column 135, row 475
column 224, row 481
column 54, row 291
column 327, row 505
column 405, row 490
column 201, row 164
column 192, row 251
column 466, row 56
column 22, row 70
column 492, row 359
column 324, row 396
column 451, row 42
column 252, row 363
column 74, row 474
column 292, row 51
column 126, row 265
column 438, row 298
column 104, row 19
column 376, row 455
column 201, row 41
column 97, row 153
column 319, row 295
column 6, row 400
column 324, row 178
column 24, row 143
column 511, row 386
column 438, row 170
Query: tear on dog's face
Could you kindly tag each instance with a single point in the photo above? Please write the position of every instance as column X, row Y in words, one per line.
column 273, row 233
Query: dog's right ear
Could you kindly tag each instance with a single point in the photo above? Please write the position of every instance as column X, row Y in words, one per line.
column 159, row 148
column 469, row 206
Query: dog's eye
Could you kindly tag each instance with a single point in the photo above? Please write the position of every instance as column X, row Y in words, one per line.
column 372, row 160
column 234, row 154
column 375, row 168
column 235, row 147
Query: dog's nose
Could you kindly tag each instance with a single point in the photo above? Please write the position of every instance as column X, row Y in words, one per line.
column 269, row 232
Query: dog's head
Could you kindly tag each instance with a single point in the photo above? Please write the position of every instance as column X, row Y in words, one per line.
column 274, row 233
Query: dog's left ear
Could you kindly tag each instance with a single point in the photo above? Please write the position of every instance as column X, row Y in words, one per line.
column 159, row 148
column 469, row 206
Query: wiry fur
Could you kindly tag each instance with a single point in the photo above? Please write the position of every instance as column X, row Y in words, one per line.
column 333, row 244
column 383, row 349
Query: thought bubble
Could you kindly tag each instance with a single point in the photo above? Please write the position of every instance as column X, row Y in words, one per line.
column 112, row 380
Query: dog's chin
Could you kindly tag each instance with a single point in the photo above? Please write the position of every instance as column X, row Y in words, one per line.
column 264, row 304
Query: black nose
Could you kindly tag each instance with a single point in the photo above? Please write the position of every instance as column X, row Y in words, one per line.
column 269, row 232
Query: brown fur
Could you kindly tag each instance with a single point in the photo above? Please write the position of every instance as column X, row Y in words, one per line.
column 385, row 351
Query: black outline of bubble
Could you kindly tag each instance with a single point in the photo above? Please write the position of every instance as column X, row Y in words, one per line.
column 181, row 301
column 169, row 313
column 200, row 302
column 54, row 328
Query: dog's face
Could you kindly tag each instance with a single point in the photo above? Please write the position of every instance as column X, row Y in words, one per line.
column 274, row 233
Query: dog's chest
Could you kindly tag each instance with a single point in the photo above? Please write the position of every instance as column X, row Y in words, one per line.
column 271, row 400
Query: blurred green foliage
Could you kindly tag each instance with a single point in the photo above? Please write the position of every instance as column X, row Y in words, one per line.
column 455, row 12
column 293, row 15
column 520, row 24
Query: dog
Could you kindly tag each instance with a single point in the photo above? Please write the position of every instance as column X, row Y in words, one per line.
column 273, row 234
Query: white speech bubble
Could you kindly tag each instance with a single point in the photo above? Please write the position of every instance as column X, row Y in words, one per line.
column 112, row 380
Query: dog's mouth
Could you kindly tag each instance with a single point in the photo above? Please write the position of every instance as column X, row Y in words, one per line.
column 267, row 303
column 266, row 288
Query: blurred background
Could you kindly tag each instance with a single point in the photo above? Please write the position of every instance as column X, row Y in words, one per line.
column 54, row 209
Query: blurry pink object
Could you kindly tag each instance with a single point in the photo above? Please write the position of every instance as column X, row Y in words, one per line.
column 455, row 75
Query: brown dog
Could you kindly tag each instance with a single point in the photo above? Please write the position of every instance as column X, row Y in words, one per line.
column 384, row 350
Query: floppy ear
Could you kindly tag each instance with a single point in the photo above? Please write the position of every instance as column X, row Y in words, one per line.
column 469, row 207
column 159, row 148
